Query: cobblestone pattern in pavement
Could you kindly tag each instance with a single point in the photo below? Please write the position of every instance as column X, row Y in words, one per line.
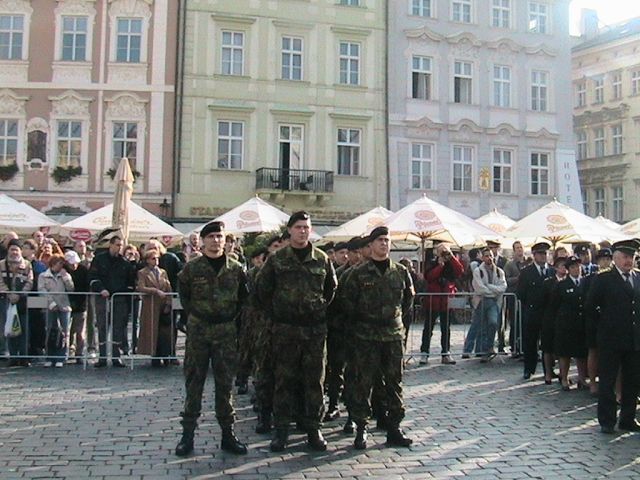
column 469, row 420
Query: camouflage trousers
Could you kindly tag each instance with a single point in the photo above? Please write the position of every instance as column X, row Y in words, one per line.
column 213, row 344
column 246, row 342
column 336, row 362
column 263, row 362
column 375, row 361
column 299, row 355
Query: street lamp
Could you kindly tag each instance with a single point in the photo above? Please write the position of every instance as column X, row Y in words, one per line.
column 164, row 207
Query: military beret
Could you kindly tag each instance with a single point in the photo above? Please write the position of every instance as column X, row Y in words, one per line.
column 212, row 227
column 377, row 232
column 581, row 249
column 297, row 216
column 14, row 242
column 572, row 260
column 629, row 247
column 604, row 253
column 355, row 243
column 340, row 246
column 540, row 247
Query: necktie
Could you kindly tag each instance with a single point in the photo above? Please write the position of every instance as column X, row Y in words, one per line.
column 628, row 279
column 577, row 282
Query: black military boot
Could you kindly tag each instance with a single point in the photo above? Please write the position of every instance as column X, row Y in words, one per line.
column 396, row 438
column 280, row 440
column 185, row 446
column 230, row 442
column 264, row 421
column 349, row 426
column 333, row 412
column 383, row 422
column 360, row 443
column 316, row 441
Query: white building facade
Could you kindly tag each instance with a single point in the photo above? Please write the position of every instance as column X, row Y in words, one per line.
column 479, row 116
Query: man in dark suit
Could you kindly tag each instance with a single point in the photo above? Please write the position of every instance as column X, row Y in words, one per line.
column 531, row 293
column 613, row 309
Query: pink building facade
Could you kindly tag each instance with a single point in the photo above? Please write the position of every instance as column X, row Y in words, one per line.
column 84, row 83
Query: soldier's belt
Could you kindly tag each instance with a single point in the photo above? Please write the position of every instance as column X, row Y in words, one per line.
column 310, row 321
column 210, row 317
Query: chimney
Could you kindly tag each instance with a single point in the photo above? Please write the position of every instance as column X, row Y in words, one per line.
column 588, row 23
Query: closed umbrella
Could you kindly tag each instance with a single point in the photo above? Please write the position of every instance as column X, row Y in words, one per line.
column 122, row 197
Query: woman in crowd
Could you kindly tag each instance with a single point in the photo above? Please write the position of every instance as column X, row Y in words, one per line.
column 156, row 319
column 567, row 302
column 16, row 275
column 80, row 276
column 547, row 333
column 56, row 281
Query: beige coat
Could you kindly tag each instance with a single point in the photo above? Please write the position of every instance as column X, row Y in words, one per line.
column 152, row 305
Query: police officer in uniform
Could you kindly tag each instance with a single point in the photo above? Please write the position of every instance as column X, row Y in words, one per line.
column 613, row 309
column 296, row 285
column 531, row 293
column 212, row 288
column 377, row 294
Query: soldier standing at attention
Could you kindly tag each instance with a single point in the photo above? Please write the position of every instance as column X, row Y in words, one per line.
column 376, row 295
column 212, row 288
column 295, row 286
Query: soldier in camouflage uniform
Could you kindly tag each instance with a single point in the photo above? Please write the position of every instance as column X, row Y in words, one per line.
column 212, row 289
column 295, row 285
column 376, row 294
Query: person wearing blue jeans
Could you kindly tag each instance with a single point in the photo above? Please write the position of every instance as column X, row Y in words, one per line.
column 489, row 284
column 56, row 281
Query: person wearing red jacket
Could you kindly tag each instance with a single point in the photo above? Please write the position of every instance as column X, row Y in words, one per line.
column 440, row 274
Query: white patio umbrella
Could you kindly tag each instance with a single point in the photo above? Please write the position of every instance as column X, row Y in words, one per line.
column 142, row 224
column 559, row 223
column 121, row 198
column 21, row 218
column 430, row 220
column 359, row 225
column 608, row 223
column 631, row 229
column 496, row 221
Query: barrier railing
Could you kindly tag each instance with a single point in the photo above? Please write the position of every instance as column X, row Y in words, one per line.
column 38, row 321
column 482, row 321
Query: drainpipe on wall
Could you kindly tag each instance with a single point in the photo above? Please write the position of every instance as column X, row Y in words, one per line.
column 177, row 115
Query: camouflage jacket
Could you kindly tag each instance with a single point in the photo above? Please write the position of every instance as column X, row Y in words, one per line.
column 336, row 318
column 211, row 297
column 296, row 292
column 376, row 301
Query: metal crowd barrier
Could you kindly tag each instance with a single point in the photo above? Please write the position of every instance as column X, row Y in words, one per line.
column 37, row 301
column 462, row 310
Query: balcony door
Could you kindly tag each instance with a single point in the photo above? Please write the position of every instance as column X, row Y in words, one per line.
column 291, row 153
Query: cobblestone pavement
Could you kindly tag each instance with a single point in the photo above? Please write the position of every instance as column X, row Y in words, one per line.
column 469, row 420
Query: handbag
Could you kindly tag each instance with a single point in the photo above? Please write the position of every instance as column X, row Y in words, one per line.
column 12, row 325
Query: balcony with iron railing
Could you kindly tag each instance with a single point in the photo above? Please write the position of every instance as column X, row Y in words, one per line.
column 283, row 180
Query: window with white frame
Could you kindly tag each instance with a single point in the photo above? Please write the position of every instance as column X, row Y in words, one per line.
column 617, row 204
column 599, row 202
column 581, row 94
column 421, row 77
column 616, row 84
column 350, row 3
column 501, row 86
column 8, row 142
column 598, row 142
column 461, row 11
column 598, row 90
column 291, row 149
column 616, row 139
column 349, row 140
column 585, row 201
column 539, row 173
column 230, row 144
column 501, row 13
column 128, row 40
column 69, row 143
column 422, row 166
column 538, row 17
column 501, row 169
column 11, row 37
column 74, row 39
column 125, row 143
column 462, row 164
column 581, row 142
column 349, row 63
column 232, row 54
column 292, row 58
column 635, row 82
column 462, row 81
column 539, row 90
column 421, row 8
